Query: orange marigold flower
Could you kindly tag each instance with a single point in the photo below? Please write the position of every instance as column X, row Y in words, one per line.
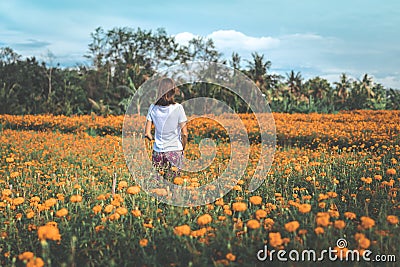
column 136, row 213
column 319, row 230
column 304, row 208
column 121, row 210
column 143, row 242
column 96, row 209
column 122, row 185
column 114, row 217
column 322, row 219
column 109, row 208
column 178, row 181
column 392, row 219
column 182, row 230
column 18, row 201
column 255, row 200
column 339, row 224
column 230, row 257
column 358, row 236
column 132, row 190
column 350, row 215
column 367, row 222
column 292, row 226
column 199, row 232
column 27, row 255
column 62, row 213
column 364, row 243
column 49, row 232
column 239, row 206
column 204, row 219
column 341, row 252
column 260, row 214
column 30, row 214
column 50, row 202
column 253, row 224
column 391, row 171
column 75, row 198
column 275, row 239
column 36, row 262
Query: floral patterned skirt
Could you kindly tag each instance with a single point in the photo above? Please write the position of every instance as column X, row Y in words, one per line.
column 168, row 163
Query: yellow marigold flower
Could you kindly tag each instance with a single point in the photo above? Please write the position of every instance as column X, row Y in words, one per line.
column 304, row 208
column 204, row 219
column 62, row 212
column 339, row 224
column 143, row 242
column 18, row 201
column 255, row 200
column 230, row 257
column 350, row 215
column 239, row 206
column 364, row 243
column 253, row 224
column 367, row 222
column 319, row 230
column 132, row 190
column 48, row 232
column 275, row 239
column 108, row 208
column 36, row 262
column 96, row 209
column 182, row 230
column 391, row 171
column 9, row 160
column 392, row 219
column 75, row 198
column 27, row 255
column 136, row 213
column 292, row 226
column 121, row 211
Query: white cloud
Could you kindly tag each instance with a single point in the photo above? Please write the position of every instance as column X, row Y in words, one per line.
column 231, row 39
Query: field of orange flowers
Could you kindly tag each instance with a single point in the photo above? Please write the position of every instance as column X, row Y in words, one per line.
column 333, row 176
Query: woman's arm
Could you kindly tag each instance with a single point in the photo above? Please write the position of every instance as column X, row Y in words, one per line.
column 147, row 132
column 184, row 134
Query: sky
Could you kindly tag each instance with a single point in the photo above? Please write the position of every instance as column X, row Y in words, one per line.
column 316, row 37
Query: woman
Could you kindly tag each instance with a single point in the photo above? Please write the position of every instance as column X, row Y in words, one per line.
column 171, row 134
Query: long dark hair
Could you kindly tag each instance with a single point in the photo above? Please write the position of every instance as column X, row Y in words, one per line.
column 166, row 92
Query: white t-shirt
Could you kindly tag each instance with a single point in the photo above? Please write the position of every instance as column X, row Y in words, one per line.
column 166, row 120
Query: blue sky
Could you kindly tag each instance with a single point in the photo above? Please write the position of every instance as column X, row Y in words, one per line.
column 316, row 37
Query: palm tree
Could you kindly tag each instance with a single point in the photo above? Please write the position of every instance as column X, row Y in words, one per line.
column 342, row 88
column 294, row 83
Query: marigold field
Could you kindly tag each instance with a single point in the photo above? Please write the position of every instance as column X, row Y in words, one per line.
column 333, row 176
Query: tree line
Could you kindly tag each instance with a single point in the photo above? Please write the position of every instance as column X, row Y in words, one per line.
column 121, row 59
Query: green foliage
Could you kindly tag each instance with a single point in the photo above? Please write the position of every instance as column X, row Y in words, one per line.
column 124, row 58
